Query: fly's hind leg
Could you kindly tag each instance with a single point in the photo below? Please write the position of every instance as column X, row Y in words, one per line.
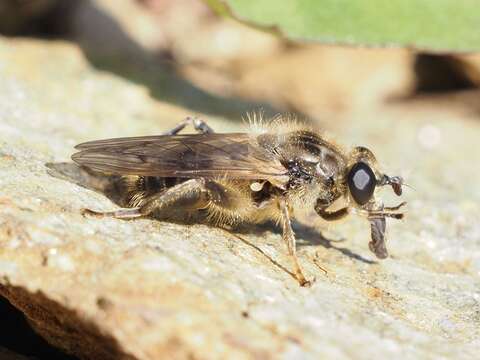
column 198, row 124
column 289, row 238
column 192, row 192
column 119, row 214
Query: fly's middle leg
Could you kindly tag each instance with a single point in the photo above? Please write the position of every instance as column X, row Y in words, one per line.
column 289, row 238
column 198, row 124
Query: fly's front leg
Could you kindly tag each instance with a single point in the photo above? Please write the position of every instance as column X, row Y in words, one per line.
column 322, row 205
column 332, row 215
column 321, row 209
column 289, row 238
column 198, row 124
column 192, row 191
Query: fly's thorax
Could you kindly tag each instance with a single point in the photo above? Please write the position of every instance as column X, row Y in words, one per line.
column 314, row 166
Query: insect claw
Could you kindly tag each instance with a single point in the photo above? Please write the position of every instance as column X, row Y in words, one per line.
column 304, row 282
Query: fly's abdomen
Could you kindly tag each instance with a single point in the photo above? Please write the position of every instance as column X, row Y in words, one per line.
column 139, row 188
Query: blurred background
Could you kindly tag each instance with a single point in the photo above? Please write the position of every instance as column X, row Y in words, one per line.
column 187, row 55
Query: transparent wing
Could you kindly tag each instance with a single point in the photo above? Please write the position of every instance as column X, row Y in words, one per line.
column 235, row 155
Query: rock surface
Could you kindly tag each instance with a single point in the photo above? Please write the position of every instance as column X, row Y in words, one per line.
column 108, row 289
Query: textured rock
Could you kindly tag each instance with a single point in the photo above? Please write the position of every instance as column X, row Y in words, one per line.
column 149, row 289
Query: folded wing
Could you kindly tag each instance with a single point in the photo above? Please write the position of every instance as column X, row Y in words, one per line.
column 234, row 155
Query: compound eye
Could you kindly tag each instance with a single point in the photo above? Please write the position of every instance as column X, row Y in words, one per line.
column 361, row 182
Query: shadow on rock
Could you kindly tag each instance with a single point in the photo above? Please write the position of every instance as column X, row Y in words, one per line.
column 311, row 237
column 18, row 336
column 306, row 236
column 88, row 179
column 111, row 49
column 62, row 327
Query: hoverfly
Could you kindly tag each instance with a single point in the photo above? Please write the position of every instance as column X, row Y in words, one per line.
column 267, row 174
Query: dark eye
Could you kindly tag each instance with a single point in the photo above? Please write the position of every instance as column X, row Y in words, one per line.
column 361, row 182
